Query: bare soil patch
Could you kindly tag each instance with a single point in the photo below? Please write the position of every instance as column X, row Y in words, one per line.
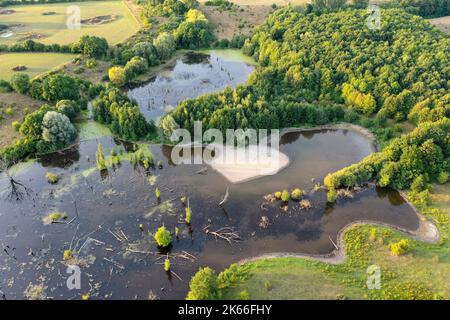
column 94, row 75
column 19, row 103
column 241, row 19
column 34, row 36
column 98, row 20
column 442, row 23
column 7, row 11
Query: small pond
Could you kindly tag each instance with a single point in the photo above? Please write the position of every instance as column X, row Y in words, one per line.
column 120, row 260
column 193, row 74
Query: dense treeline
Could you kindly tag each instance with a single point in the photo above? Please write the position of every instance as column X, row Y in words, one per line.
column 423, row 154
column 423, row 8
column 90, row 46
column 336, row 58
column 121, row 115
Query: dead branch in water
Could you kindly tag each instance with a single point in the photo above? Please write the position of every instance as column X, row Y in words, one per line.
column 17, row 189
column 225, row 198
column 225, row 233
column 202, row 171
column 334, row 244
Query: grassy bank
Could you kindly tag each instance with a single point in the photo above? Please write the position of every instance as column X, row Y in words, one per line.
column 422, row 273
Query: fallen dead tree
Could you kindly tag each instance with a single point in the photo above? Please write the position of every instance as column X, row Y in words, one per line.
column 17, row 190
column 225, row 233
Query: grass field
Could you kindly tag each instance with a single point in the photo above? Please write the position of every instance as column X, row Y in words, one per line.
column 36, row 63
column 29, row 21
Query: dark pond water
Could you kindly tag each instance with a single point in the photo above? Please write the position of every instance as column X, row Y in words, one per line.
column 130, row 266
column 192, row 75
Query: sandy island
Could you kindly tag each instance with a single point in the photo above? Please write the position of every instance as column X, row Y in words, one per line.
column 241, row 165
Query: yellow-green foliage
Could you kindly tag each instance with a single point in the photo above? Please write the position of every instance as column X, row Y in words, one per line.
column 9, row 111
column 167, row 265
column 203, row 285
column 54, row 217
column 244, row 295
column 100, row 158
column 285, row 196
column 373, row 234
column 400, row 248
column 278, row 195
column 188, row 215
column 163, row 237
column 296, row 194
column 52, row 178
column 443, row 177
column 67, row 255
column 331, row 195
column 15, row 125
column 115, row 159
column 157, row 193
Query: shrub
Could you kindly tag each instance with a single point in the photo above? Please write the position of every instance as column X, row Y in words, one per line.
column 285, row 196
column 331, row 195
column 278, row 195
column 59, row 87
column 195, row 32
column 296, row 194
column 165, row 45
column 203, row 285
column 9, row 111
column 100, row 158
column 373, row 234
column 188, row 215
column 419, row 184
column 91, row 63
column 400, row 248
column 5, row 86
column 52, row 178
column 68, row 108
column 16, row 125
column 57, row 128
column 20, row 83
column 91, row 46
column 163, row 237
column 147, row 51
column 135, row 67
column 157, row 193
column 67, row 255
column 443, row 177
column 55, row 216
column 117, row 75
column 244, row 295
column 167, row 265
